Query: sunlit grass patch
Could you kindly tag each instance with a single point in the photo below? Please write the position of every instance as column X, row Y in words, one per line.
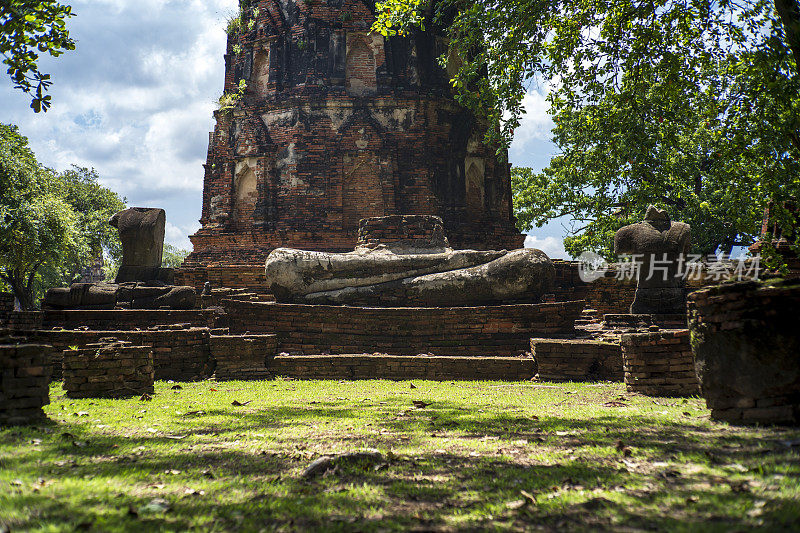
column 508, row 456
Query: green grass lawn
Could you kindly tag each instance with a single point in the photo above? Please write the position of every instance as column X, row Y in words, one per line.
column 482, row 455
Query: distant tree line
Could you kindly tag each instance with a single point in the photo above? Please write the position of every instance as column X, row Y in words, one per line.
column 52, row 224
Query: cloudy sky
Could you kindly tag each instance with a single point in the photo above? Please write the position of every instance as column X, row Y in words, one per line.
column 134, row 101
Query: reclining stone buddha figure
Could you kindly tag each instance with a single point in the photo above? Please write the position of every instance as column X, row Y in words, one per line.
column 405, row 260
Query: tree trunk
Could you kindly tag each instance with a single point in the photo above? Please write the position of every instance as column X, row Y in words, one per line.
column 21, row 291
column 789, row 12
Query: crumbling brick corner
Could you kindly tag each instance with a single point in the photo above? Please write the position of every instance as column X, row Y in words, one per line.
column 108, row 370
column 24, row 383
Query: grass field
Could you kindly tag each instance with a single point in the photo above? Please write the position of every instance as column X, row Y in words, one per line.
column 482, row 455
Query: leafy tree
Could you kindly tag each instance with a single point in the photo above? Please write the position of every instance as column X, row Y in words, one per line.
column 50, row 224
column 29, row 28
column 93, row 205
column 173, row 256
column 691, row 105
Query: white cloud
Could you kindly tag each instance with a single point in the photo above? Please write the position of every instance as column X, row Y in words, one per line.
column 134, row 100
column 178, row 236
column 552, row 246
column 535, row 123
column 532, row 145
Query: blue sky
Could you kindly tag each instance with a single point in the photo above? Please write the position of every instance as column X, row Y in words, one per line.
column 135, row 102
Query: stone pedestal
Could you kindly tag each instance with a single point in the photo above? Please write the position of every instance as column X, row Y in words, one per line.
column 747, row 350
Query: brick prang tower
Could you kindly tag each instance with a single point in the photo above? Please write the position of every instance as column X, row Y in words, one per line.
column 337, row 124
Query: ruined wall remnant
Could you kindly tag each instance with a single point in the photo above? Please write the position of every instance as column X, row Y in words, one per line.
column 24, row 379
column 659, row 363
column 745, row 344
column 338, row 124
column 108, row 369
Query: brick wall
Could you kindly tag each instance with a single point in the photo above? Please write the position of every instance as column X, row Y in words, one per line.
column 606, row 295
column 24, row 380
column 180, row 355
column 659, row 364
column 403, row 367
column 6, row 307
column 338, row 123
column 417, row 229
column 6, row 302
column 609, row 295
column 503, row 330
column 21, row 320
column 242, row 357
column 747, row 350
column 250, row 276
column 125, row 319
column 577, row 360
column 108, row 371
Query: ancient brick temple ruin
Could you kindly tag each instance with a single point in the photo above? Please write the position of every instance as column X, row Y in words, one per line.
column 338, row 124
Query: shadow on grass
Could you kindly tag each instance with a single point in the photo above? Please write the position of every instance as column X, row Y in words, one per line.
column 104, row 482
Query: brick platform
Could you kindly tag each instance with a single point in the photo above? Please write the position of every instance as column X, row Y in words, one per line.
column 659, row 364
column 242, row 357
column 577, row 360
column 24, row 381
column 108, row 371
column 240, row 276
column 21, row 320
column 125, row 319
column 503, row 330
column 179, row 354
column 403, row 367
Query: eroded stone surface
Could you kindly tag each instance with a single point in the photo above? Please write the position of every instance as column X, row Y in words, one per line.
column 657, row 243
column 133, row 295
column 141, row 230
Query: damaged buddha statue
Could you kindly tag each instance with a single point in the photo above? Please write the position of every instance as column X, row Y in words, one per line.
column 658, row 244
column 405, row 260
column 141, row 283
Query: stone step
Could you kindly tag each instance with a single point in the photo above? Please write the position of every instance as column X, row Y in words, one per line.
column 380, row 366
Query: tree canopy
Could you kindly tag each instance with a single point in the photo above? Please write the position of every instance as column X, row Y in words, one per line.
column 29, row 28
column 173, row 256
column 691, row 105
column 51, row 224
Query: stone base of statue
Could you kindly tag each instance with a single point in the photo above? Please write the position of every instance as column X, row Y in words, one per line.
column 133, row 295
